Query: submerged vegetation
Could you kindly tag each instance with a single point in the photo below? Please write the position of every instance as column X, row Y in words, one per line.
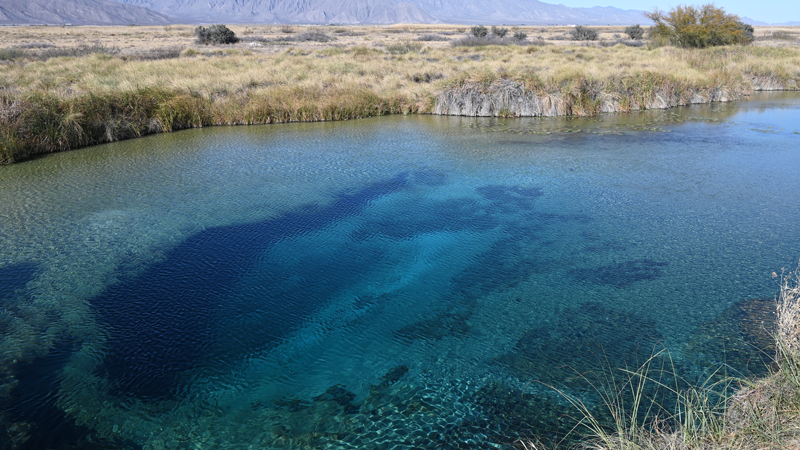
column 722, row 412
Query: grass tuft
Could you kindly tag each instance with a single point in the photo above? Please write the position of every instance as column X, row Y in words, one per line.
column 722, row 412
column 201, row 86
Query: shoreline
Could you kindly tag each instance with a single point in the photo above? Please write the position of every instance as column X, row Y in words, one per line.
column 175, row 111
column 67, row 88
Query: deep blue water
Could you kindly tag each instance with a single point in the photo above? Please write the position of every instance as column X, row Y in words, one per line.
column 400, row 282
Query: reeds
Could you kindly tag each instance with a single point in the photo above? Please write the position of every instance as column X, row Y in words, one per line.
column 720, row 412
column 46, row 123
column 234, row 85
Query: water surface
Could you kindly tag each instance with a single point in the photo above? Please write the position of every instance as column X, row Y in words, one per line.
column 397, row 282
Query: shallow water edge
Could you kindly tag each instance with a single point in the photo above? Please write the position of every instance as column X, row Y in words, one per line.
column 403, row 282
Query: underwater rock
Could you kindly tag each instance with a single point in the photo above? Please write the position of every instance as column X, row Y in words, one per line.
column 591, row 347
column 512, row 412
column 586, row 338
column 337, row 394
column 510, row 198
column 16, row 435
column 741, row 339
column 291, row 404
column 394, row 375
column 422, row 216
column 427, row 177
column 623, row 274
column 447, row 324
column 14, row 278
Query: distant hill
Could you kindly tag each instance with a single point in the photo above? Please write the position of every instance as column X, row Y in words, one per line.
column 288, row 11
column 388, row 11
column 526, row 12
column 76, row 12
column 755, row 23
column 486, row 12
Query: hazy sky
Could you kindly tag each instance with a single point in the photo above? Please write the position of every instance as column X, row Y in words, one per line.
column 770, row 11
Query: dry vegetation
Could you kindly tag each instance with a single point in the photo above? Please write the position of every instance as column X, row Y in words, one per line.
column 726, row 414
column 65, row 87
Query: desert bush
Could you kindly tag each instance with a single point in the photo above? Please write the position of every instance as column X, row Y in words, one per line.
column 361, row 50
column 254, row 39
column 499, row 31
column 170, row 52
column 635, row 31
column 693, row 27
column 288, row 29
column 314, row 35
column 402, row 48
column 426, row 77
column 215, row 34
column 346, row 32
column 479, row 31
column 632, row 42
column 581, row 33
column 432, row 37
column 625, row 42
column 73, row 52
column 36, row 45
column 783, row 35
column 11, row 53
column 474, row 41
column 517, row 39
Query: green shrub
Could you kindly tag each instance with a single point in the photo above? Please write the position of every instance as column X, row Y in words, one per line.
column 635, row 31
column 479, row 31
column 783, row 35
column 215, row 34
column 520, row 36
column 11, row 53
column 693, row 27
column 402, row 48
column 580, row 33
column 313, row 35
column 499, row 32
column 472, row 41
column 432, row 37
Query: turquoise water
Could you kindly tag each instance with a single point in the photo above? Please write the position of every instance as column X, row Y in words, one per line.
column 397, row 282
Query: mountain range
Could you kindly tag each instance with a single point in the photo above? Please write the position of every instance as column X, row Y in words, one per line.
column 525, row 12
column 148, row 12
column 78, row 12
column 309, row 12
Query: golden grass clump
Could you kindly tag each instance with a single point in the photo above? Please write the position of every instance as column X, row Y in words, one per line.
column 729, row 413
column 69, row 100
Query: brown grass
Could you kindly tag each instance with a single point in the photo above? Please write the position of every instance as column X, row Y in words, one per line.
column 753, row 415
column 363, row 71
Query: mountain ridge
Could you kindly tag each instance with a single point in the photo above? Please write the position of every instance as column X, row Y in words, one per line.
column 352, row 12
column 77, row 12
column 345, row 12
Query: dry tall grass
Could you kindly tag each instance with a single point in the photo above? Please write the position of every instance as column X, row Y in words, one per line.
column 730, row 414
column 360, row 73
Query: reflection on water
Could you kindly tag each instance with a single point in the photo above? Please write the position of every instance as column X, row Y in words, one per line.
column 403, row 282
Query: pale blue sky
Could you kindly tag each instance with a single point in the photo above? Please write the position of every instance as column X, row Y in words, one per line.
column 770, row 11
